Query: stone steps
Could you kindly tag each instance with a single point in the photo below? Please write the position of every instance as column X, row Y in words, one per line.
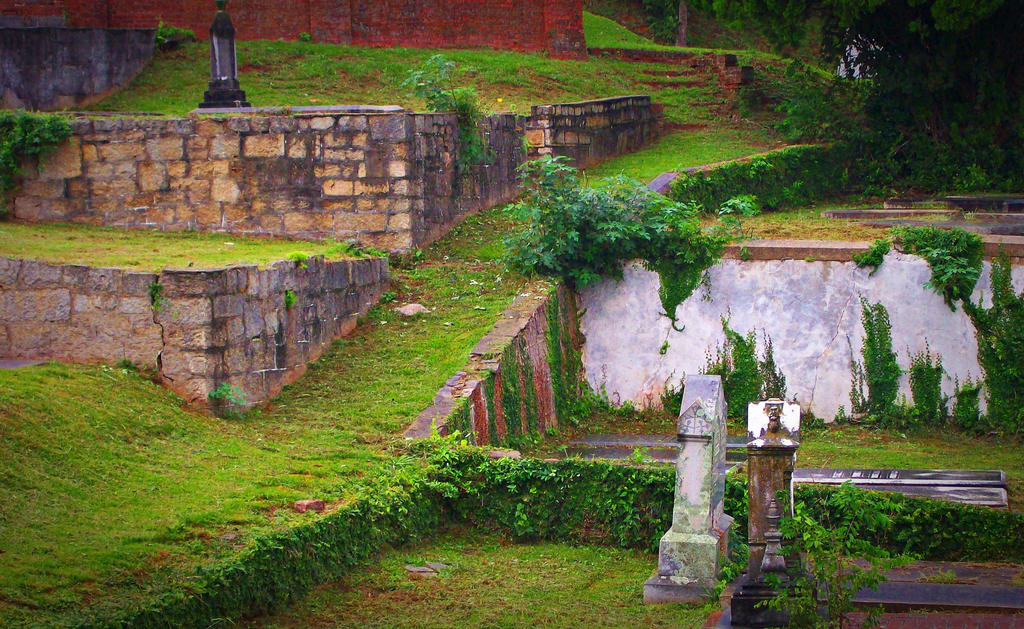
column 889, row 213
column 970, row 203
column 986, row 228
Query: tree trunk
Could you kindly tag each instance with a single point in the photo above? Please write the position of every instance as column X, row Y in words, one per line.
column 681, row 32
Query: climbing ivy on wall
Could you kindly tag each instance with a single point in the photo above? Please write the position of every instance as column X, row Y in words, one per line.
column 954, row 256
column 580, row 233
column 878, row 370
column 745, row 378
column 24, row 135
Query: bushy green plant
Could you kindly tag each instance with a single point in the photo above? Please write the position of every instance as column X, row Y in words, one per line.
column 169, row 37
column 818, row 106
column 229, row 393
column 954, row 256
column 926, row 388
column 966, row 413
column 1000, row 331
column 289, row 298
column 745, row 378
column 831, row 549
column 879, row 371
column 788, row 177
column 24, row 135
column 581, row 233
column 434, row 82
column 874, row 256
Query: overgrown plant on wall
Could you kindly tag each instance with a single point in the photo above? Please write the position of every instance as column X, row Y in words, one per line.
column 745, row 378
column 930, row 405
column 878, row 370
column 1000, row 329
column 434, row 82
column 582, row 234
column 24, row 135
column 954, row 256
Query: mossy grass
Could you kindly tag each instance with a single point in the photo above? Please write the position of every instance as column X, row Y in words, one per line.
column 542, row 584
column 150, row 250
column 113, row 494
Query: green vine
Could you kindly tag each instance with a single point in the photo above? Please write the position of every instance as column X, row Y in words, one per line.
column 1001, row 349
column 954, row 256
column 580, row 233
column 745, row 378
column 879, row 371
column 24, row 135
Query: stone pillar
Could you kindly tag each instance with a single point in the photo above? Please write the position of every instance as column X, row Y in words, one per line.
column 224, row 88
column 770, row 457
column 688, row 560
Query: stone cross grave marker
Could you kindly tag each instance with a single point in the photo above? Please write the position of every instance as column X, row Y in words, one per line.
column 688, row 558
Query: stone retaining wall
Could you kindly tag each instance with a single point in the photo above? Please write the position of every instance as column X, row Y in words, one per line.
column 55, row 68
column 809, row 307
column 519, row 378
column 381, row 176
column 592, row 131
column 251, row 328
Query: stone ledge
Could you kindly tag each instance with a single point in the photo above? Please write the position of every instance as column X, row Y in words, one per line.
column 844, row 250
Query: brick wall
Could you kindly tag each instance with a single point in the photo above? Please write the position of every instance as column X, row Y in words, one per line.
column 517, row 377
column 555, row 26
column 208, row 327
column 592, row 131
column 384, row 178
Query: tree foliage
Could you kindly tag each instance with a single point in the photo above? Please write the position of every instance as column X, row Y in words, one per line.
column 946, row 83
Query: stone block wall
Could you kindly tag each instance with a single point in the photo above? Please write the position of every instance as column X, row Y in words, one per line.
column 198, row 329
column 555, row 26
column 520, row 378
column 381, row 176
column 592, row 131
column 56, row 68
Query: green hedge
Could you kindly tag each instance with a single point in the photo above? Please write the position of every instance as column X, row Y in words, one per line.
column 279, row 568
column 788, row 177
column 627, row 506
column 569, row 501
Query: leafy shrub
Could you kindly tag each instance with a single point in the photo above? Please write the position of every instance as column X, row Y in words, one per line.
column 745, row 379
column 879, row 371
column 581, row 234
column 289, row 298
column 926, row 388
column 434, row 82
column 170, row 37
column 1001, row 349
column 966, row 413
column 818, row 106
column 954, row 256
column 788, row 177
column 24, row 135
column 874, row 256
column 228, row 393
column 830, row 545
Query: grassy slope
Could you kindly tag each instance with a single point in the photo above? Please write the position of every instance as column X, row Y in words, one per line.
column 111, row 491
column 535, row 585
column 146, row 250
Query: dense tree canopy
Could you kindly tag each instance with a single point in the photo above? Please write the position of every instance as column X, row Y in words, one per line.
column 947, row 76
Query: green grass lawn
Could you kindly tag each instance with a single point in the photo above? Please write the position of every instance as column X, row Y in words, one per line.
column 602, row 32
column 492, row 582
column 684, row 148
column 147, row 250
column 286, row 74
column 111, row 492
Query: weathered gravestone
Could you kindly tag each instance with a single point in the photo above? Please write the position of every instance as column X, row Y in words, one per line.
column 688, row 560
column 773, row 428
column 224, row 90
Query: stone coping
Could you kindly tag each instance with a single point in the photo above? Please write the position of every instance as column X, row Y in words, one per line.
column 300, row 111
column 843, row 250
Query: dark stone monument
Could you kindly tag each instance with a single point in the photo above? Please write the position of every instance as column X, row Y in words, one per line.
column 770, row 457
column 224, row 90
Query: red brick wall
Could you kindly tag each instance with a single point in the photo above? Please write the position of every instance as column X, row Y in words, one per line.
column 555, row 26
